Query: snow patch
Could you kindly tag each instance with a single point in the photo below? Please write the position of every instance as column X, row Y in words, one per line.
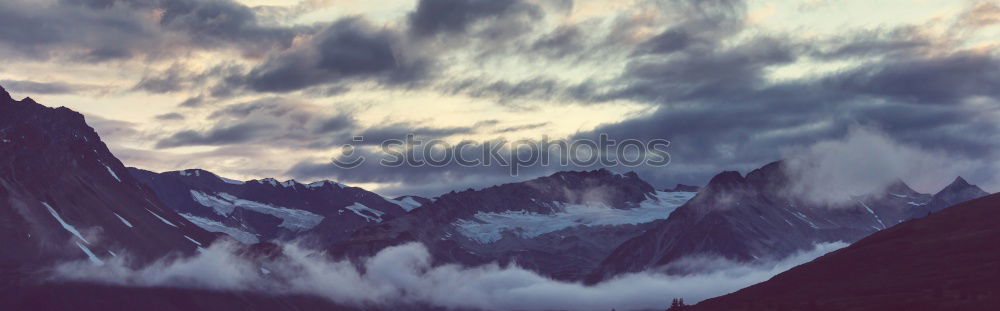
column 487, row 228
column 90, row 255
column 164, row 220
column 231, row 181
column 368, row 213
column 123, row 220
column 215, row 226
column 879, row 219
column 224, row 204
column 320, row 184
column 407, row 203
column 112, row 172
column 65, row 225
column 192, row 240
column 190, row 173
column 219, row 205
column 804, row 218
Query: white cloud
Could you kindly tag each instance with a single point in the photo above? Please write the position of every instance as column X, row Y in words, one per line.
column 865, row 162
column 405, row 274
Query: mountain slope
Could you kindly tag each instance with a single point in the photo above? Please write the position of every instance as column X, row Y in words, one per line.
column 755, row 218
column 262, row 210
column 64, row 196
column 946, row 261
column 560, row 225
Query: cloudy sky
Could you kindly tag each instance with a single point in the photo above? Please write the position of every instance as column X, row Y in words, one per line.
column 273, row 88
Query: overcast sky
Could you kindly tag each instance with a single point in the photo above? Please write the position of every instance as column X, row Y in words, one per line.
column 272, row 88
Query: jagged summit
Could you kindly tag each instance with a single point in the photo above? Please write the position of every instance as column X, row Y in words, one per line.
column 726, row 179
column 958, row 183
column 770, row 175
column 899, row 187
column 958, row 191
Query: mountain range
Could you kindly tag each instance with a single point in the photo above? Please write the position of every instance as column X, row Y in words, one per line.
column 570, row 226
column 266, row 209
column 561, row 225
column 755, row 217
column 65, row 197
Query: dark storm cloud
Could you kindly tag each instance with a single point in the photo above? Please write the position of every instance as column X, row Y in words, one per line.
column 667, row 42
column 336, row 123
column 432, row 17
column 93, row 4
column 945, row 80
column 720, row 110
column 711, row 93
column 903, row 41
column 271, row 106
column 704, row 25
column 336, row 54
column 697, row 73
column 221, row 21
column 347, row 49
column 34, row 87
column 705, row 74
column 38, row 31
column 748, row 121
column 192, row 102
column 173, row 116
column 376, row 135
column 172, row 80
column 510, row 92
column 210, row 23
column 218, row 135
column 105, row 30
column 277, row 122
column 690, row 47
column 561, row 42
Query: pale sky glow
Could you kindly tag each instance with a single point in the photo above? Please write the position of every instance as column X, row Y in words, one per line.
column 499, row 69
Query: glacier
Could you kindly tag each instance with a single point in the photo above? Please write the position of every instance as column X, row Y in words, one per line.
column 487, row 228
